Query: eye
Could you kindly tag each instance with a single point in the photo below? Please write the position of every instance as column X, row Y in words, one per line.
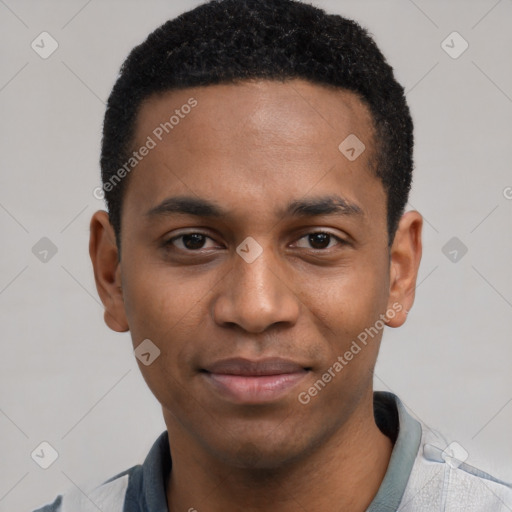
column 190, row 242
column 319, row 240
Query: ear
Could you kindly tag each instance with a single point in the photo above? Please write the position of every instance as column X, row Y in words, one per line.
column 107, row 271
column 405, row 256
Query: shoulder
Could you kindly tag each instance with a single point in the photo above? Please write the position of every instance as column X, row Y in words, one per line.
column 142, row 487
column 109, row 495
column 442, row 480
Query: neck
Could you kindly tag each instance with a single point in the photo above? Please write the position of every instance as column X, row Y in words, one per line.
column 344, row 473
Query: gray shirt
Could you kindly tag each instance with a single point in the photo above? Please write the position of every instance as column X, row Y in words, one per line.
column 425, row 473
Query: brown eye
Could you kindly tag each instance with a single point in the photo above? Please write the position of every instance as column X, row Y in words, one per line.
column 190, row 242
column 319, row 240
column 194, row 241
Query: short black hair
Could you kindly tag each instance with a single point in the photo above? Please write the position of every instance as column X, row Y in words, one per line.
column 229, row 41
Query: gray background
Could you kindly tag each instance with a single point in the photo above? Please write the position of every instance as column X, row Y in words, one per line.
column 68, row 380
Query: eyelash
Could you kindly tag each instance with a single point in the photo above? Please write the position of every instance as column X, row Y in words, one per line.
column 169, row 244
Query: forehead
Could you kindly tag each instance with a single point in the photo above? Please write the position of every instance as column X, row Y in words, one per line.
column 291, row 111
column 254, row 142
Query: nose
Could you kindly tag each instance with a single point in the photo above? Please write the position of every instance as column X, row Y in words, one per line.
column 255, row 296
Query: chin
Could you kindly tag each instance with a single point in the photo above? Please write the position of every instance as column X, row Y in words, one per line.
column 262, row 451
column 251, row 456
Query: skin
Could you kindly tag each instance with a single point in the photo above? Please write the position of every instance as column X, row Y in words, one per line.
column 252, row 149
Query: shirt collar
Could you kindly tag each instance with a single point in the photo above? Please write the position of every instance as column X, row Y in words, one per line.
column 157, row 465
column 404, row 453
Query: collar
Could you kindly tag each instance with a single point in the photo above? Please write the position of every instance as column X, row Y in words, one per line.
column 404, row 453
column 147, row 483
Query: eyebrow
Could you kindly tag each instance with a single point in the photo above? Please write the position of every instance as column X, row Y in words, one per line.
column 310, row 207
column 186, row 206
column 328, row 205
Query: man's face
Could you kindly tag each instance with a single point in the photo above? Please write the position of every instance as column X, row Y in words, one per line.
column 240, row 336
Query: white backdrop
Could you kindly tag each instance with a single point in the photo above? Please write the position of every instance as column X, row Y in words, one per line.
column 68, row 380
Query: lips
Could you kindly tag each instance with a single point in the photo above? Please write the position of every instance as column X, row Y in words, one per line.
column 248, row 368
column 246, row 381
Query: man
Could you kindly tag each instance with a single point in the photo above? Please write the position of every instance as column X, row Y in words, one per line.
column 256, row 161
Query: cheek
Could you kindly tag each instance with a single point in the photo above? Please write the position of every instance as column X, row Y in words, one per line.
column 164, row 303
column 170, row 308
column 347, row 312
column 348, row 301
column 173, row 319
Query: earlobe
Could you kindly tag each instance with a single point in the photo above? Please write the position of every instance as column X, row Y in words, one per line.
column 114, row 323
column 405, row 257
column 104, row 256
